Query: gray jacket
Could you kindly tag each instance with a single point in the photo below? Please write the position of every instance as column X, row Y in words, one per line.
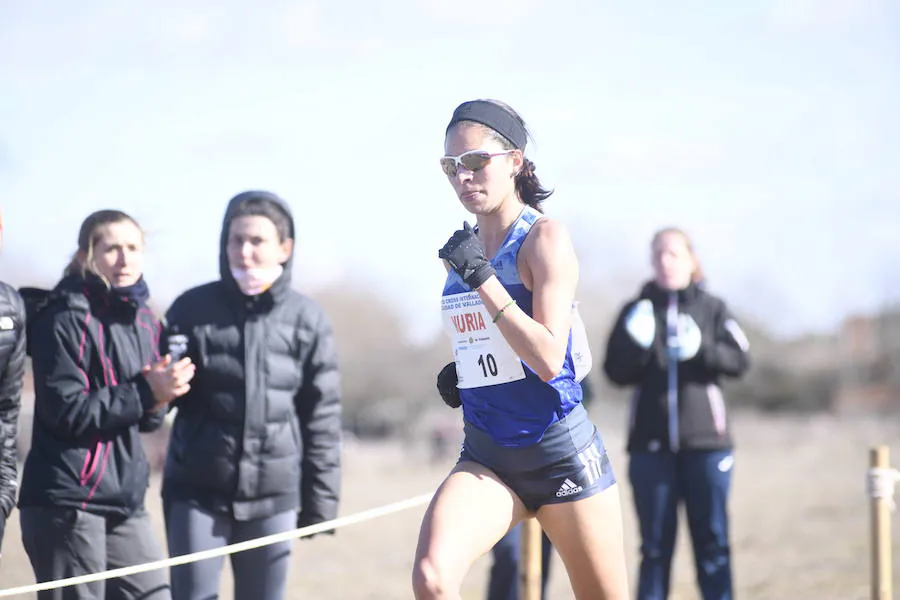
column 12, row 373
column 260, row 430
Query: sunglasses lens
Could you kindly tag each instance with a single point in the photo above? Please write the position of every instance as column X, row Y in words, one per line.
column 448, row 165
column 475, row 161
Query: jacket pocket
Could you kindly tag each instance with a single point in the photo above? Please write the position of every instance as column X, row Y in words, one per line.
column 633, row 408
column 295, row 431
column 91, row 462
column 717, row 408
column 182, row 436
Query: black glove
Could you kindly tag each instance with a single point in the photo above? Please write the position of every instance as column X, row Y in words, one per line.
column 304, row 522
column 446, row 385
column 466, row 255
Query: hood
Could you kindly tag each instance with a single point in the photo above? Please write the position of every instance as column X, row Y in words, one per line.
column 283, row 283
column 72, row 291
column 78, row 292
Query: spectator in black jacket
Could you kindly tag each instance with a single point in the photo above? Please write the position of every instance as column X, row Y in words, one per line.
column 12, row 372
column 99, row 382
column 256, row 444
column 673, row 344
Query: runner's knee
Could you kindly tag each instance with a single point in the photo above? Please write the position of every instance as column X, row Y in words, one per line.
column 431, row 580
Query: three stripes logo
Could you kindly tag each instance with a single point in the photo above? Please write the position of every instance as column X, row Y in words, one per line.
column 568, row 488
column 593, row 463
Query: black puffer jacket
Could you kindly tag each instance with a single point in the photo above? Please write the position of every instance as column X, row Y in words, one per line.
column 12, row 372
column 260, row 431
column 702, row 419
column 88, row 346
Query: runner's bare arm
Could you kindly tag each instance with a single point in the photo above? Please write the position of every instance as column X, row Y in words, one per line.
column 548, row 263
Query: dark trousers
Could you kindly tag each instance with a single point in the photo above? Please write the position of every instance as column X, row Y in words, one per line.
column 660, row 481
column 259, row 574
column 66, row 542
column 504, row 577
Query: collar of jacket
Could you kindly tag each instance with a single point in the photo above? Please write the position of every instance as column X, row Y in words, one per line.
column 91, row 292
column 658, row 295
column 261, row 303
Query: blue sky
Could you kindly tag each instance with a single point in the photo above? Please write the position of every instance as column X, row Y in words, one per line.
column 767, row 129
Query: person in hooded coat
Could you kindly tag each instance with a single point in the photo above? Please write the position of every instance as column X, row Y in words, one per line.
column 12, row 378
column 256, row 444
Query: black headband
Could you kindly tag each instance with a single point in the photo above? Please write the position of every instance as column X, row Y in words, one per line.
column 491, row 115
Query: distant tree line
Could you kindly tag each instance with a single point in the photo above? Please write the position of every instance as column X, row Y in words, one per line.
column 389, row 383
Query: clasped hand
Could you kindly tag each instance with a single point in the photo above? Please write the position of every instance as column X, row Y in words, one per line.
column 688, row 339
column 640, row 323
column 168, row 380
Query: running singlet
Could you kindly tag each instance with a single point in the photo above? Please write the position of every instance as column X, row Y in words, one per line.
column 500, row 394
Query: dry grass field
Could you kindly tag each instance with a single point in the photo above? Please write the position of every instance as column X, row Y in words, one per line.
column 799, row 513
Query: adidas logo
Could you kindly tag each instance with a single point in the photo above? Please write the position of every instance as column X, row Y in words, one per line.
column 568, row 488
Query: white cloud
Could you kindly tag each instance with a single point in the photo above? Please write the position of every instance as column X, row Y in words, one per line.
column 827, row 16
column 481, row 12
column 192, row 28
column 638, row 154
column 302, row 24
column 745, row 146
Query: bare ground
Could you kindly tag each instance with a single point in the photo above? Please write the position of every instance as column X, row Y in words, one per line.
column 800, row 517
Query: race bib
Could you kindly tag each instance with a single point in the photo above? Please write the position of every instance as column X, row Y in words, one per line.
column 581, row 349
column 482, row 355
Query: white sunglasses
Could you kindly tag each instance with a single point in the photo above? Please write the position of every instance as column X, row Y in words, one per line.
column 473, row 160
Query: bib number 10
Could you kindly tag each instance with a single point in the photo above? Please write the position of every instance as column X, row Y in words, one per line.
column 488, row 364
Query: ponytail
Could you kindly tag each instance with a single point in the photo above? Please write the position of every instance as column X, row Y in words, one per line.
column 529, row 187
column 697, row 276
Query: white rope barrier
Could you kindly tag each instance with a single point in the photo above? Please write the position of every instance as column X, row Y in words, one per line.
column 882, row 482
column 359, row 517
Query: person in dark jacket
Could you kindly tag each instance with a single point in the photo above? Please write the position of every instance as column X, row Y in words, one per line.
column 12, row 374
column 99, row 382
column 256, row 444
column 674, row 344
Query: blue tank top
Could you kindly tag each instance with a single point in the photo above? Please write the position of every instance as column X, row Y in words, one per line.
column 500, row 394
